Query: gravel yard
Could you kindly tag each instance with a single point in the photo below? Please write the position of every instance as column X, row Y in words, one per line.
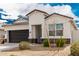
column 39, row 51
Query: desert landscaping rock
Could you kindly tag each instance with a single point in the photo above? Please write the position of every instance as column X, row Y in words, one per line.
column 48, row 52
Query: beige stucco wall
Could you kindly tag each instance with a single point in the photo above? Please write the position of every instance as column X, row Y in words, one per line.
column 75, row 34
column 16, row 27
column 60, row 19
column 2, row 34
column 36, row 18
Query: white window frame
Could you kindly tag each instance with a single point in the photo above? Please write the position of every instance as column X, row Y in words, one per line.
column 58, row 29
column 55, row 29
column 49, row 29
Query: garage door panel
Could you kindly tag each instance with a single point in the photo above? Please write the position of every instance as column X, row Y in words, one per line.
column 16, row 36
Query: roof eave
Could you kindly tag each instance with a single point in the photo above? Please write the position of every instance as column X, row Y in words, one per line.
column 73, row 23
column 36, row 10
column 58, row 14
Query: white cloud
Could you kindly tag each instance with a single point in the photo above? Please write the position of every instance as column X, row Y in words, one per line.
column 2, row 21
column 13, row 9
column 20, row 8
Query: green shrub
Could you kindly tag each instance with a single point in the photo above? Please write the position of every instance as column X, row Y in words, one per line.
column 75, row 49
column 45, row 43
column 60, row 42
column 24, row 45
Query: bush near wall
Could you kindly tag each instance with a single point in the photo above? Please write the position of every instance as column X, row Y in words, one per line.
column 75, row 49
column 60, row 42
column 23, row 45
column 45, row 43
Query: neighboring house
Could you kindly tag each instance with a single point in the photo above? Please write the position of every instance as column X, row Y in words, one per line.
column 17, row 31
column 2, row 33
column 41, row 25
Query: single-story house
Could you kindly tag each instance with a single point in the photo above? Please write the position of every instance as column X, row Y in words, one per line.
column 41, row 25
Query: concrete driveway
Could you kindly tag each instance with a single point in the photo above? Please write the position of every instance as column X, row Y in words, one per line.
column 8, row 46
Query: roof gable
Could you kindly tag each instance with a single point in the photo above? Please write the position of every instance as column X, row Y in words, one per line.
column 71, row 21
column 20, row 20
column 59, row 15
column 38, row 11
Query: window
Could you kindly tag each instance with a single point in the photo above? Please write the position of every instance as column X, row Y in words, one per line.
column 56, row 29
column 51, row 29
column 59, row 26
column 59, row 29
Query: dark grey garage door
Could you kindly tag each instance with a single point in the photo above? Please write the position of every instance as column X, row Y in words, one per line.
column 16, row 36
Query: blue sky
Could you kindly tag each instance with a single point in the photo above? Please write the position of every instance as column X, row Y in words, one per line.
column 75, row 7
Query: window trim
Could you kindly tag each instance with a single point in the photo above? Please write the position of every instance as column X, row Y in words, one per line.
column 56, row 29
column 52, row 30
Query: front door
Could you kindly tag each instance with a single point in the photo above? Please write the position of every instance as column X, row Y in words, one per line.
column 38, row 31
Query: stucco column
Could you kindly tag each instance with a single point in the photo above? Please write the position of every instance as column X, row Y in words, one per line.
column 30, row 32
column 42, row 28
column 44, row 31
column 7, row 36
column 33, row 32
